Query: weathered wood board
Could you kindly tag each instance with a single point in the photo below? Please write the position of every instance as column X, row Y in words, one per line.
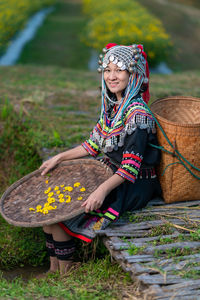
column 160, row 247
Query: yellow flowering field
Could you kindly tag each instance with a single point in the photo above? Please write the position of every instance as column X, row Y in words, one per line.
column 13, row 15
column 125, row 22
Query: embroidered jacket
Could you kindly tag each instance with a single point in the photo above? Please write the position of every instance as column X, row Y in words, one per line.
column 126, row 141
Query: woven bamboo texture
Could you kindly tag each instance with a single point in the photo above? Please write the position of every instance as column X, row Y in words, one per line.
column 72, row 181
column 180, row 119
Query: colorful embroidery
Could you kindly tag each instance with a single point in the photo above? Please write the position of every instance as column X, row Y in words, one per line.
column 109, row 136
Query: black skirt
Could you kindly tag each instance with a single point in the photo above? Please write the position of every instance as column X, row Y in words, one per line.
column 126, row 197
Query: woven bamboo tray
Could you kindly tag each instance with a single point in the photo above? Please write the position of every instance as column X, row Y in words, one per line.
column 72, row 181
column 180, row 119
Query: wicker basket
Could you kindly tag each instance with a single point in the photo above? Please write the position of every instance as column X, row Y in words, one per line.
column 180, row 119
column 75, row 180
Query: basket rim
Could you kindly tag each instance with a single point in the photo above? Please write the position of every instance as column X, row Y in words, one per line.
column 36, row 172
column 172, row 98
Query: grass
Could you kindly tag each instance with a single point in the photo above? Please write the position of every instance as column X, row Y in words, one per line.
column 97, row 280
column 58, row 41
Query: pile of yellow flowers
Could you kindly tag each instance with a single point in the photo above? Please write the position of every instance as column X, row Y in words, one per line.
column 125, row 22
column 13, row 15
column 56, row 195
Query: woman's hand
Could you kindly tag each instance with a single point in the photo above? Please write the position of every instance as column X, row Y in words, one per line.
column 49, row 164
column 95, row 200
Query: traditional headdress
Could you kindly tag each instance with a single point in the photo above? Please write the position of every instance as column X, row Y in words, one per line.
column 134, row 60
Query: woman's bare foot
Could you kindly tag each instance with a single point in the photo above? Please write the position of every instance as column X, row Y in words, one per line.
column 65, row 266
column 54, row 265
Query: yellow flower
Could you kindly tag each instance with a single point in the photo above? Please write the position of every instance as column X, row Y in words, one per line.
column 50, row 207
column 79, row 198
column 45, row 211
column 61, row 185
column 38, row 206
column 61, row 196
column 46, row 204
column 50, row 194
column 58, row 192
column 56, row 188
column 82, row 189
column 76, row 184
column 47, row 191
column 47, row 181
column 51, row 200
column 68, row 188
column 68, row 199
column 31, row 208
column 62, row 200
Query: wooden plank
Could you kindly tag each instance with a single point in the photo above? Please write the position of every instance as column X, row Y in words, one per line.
column 190, row 284
column 178, row 293
column 154, row 238
column 142, row 225
column 119, row 245
column 159, row 279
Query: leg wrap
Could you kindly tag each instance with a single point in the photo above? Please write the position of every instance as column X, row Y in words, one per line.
column 65, row 250
column 50, row 244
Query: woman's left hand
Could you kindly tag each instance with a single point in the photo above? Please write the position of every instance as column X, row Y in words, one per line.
column 95, row 200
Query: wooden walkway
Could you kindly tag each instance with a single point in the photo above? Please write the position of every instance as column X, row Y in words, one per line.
column 160, row 247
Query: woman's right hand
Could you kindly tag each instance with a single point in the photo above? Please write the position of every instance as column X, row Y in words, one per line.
column 49, row 164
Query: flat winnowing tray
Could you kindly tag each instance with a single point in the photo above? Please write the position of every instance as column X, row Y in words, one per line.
column 36, row 200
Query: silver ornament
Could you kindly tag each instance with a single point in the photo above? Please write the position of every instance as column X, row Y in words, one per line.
column 134, row 46
column 131, row 70
column 100, row 56
column 99, row 70
column 137, row 57
column 135, row 51
column 100, row 62
column 104, row 65
column 120, row 64
column 105, row 50
column 111, row 58
column 132, row 63
column 123, row 68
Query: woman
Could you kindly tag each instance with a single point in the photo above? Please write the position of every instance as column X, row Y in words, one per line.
column 123, row 133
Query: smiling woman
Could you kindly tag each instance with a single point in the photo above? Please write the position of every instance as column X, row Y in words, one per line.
column 122, row 135
column 116, row 79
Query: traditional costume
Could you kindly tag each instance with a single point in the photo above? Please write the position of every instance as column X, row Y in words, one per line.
column 122, row 134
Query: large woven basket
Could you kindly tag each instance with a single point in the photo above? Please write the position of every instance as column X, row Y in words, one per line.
column 27, row 202
column 180, row 119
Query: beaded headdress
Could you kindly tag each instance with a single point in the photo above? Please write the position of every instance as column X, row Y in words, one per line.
column 133, row 59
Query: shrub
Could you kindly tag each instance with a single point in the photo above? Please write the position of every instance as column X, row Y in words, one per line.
column 125, row 22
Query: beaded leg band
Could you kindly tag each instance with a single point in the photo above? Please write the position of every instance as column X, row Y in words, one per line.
column 50, row 244
column 65, row 250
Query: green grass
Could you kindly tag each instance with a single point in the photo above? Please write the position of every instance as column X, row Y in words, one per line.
column 94, row 280
column 57, row 42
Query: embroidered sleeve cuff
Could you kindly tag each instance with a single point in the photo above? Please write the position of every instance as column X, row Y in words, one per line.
column 91, row 147
column 126, row 175
column 130, row 166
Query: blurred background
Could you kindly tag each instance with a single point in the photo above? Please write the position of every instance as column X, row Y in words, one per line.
column 71, row 34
